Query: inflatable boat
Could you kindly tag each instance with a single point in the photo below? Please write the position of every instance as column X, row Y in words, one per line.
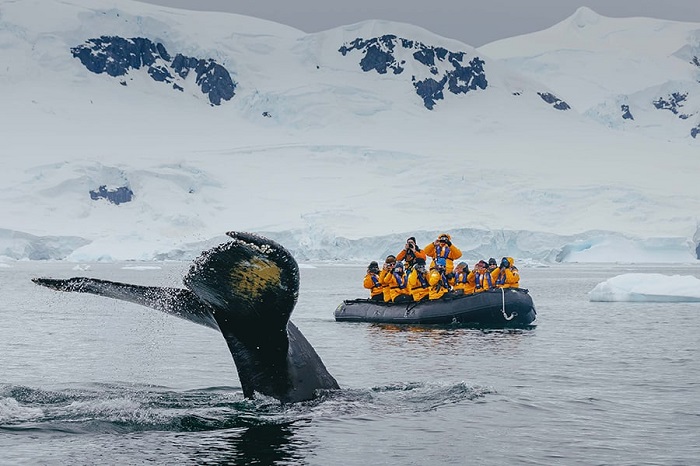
column 497, row 308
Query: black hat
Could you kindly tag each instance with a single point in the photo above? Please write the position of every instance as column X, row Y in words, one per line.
column 492, row 261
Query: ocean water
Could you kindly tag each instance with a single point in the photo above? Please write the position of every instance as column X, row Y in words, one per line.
column 89, row 380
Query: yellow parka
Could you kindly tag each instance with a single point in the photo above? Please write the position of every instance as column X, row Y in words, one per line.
column 419, row 288
column 396, row 286
column 449, row 252
column 463, row 281
column 438, row 284
column 385, row 288
column 373, row 284
column 507, row 277
column 483, row 281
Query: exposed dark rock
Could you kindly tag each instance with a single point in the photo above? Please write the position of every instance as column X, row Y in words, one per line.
column 430, row 90
column 554, row 100
column 450, row 70
column 626, row 114
column 115, row 196
column 116, row 56
column 673, row 102
column 695, row 132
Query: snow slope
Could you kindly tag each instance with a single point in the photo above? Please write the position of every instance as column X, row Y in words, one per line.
column 328, row 144
column 632, row 74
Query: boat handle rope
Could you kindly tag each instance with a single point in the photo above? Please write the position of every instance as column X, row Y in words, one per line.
column 503, row 306
column 409, row 309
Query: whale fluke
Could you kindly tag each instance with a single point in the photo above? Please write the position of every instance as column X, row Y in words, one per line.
column 246, row 288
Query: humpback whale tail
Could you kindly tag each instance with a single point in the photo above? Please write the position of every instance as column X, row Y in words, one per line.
column 246, row 288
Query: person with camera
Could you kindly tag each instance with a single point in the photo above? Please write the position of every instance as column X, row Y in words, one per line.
column 387, row 269
column 372, row 282
column 442, row 248
column 397, row 282
column 439, row 283
column 482, row 278
column 410, row 253
column 462, row 280
column 506, row 275
column 418, row 281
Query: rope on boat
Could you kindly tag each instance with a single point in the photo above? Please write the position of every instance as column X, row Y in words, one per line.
column 503, row 306
column 409, row 308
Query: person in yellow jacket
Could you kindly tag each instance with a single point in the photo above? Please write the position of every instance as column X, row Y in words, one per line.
column 439, row 284
column 418, row 281
column 462, row 279
column 506, row 275
column 387, row 269
column 410, row 253
column 443, row 248
column 372, row 282
column 482, row 278
column 397, row 281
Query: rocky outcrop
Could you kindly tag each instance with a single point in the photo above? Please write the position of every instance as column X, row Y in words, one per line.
column 555, row 101
column 626, row 114
column 673, row 103
column 116, row 56
column 449, row 71
column 116, row 196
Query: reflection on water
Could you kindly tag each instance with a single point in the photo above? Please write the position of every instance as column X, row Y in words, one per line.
column 257, row 444
column 446, row 341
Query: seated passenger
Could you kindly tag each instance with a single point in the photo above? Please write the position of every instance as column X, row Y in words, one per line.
column 439, row 285
column 397, row 281
column 372, row 282
column 482, row 277
column 493, row 265
column 462, row 280
column 443, row 248
column 410, row 253
column 418, row 281
column 387, row 268
column 506, row 275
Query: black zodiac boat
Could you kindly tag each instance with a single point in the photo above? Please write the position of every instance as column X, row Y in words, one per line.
column 497, row 308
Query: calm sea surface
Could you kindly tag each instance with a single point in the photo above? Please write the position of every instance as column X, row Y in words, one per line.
column 89, row 380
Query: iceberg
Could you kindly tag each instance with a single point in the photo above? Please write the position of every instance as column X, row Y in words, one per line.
column 648, row 287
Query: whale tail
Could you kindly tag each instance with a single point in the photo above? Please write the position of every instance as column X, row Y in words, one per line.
column 246, row 288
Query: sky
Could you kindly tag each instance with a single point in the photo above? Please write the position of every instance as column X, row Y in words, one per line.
column 474, row 23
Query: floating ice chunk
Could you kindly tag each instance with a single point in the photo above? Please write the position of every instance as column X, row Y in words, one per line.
column 648, row 287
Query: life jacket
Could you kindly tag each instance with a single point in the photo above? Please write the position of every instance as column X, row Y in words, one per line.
column 444, row 282
column 401, row 284
column 423, row 281
column 501, row 278
column 410, row 257
column 479, row 279
column 461, row 277
column 442, row 251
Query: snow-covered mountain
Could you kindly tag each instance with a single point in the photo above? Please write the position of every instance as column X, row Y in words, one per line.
column 132, row 131
column 632, row 74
